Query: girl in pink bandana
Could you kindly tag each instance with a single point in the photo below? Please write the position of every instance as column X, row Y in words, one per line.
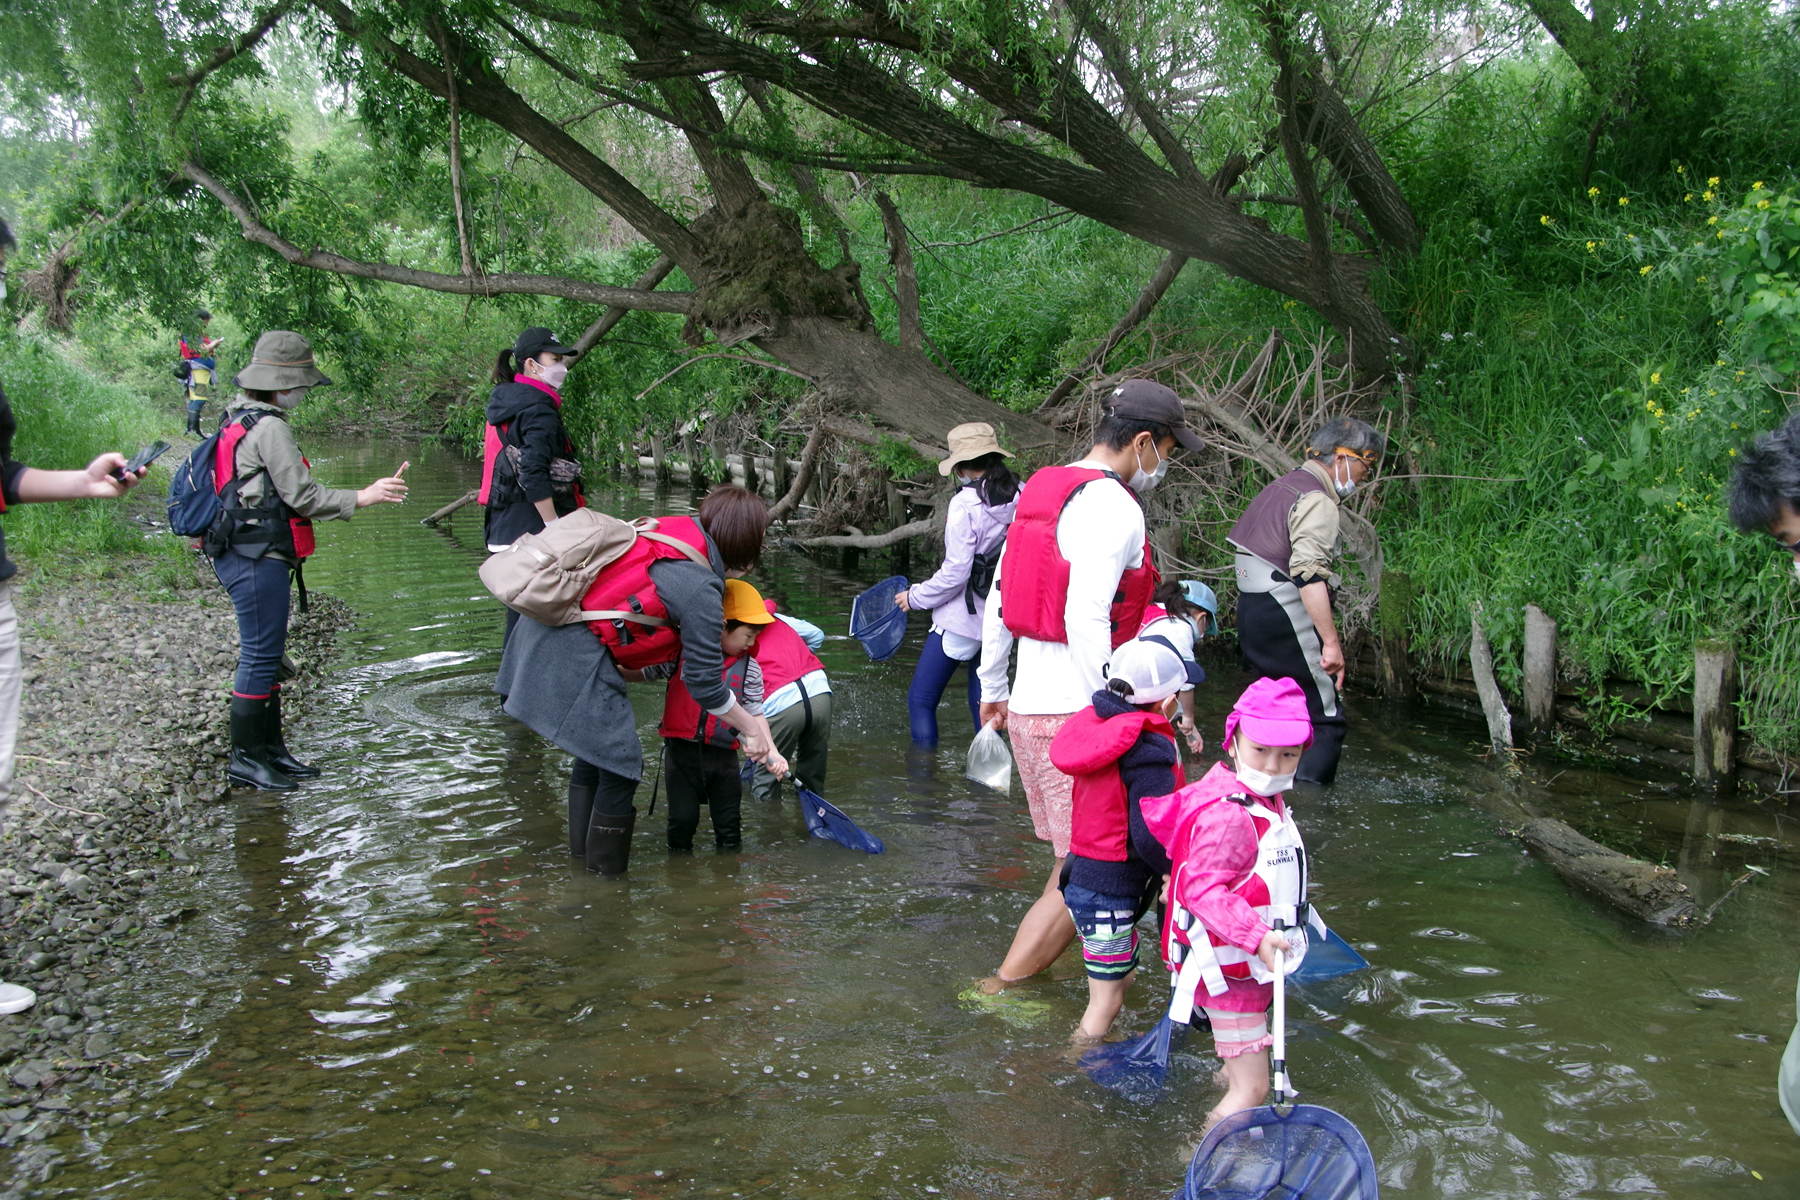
column 1237, row 893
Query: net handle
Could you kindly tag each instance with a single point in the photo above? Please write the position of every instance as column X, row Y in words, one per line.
column 1278, row 1076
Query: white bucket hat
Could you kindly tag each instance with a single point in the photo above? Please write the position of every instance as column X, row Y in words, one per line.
column 1154, row 670
column 969, row 442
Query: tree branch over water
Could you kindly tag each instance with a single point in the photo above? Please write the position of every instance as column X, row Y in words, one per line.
column 463, row 285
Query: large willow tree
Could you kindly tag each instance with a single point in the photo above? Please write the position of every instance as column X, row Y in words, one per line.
column 1243, row 133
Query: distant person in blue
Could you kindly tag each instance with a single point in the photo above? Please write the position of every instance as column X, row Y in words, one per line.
column 200, row 363
column 956, row 596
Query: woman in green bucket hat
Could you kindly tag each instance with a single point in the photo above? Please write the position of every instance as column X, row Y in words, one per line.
column 271, row 500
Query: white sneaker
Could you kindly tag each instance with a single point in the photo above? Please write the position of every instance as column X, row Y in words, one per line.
column 14, row 998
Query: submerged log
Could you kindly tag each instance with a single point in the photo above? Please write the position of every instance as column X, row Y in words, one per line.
column 1641, row 889
column 449, row 508
column 1499, row 717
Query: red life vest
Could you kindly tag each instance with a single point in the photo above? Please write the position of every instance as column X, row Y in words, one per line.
column 626, row 585
column 278, row 527
column 1034, row 576
column 684, row 719
column 1088, row 748
column 783, row 654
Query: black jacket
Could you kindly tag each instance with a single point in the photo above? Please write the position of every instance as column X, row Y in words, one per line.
column 529, row 420
column 10, row 472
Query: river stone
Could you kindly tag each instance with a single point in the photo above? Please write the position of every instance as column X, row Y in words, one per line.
column 98, row 1045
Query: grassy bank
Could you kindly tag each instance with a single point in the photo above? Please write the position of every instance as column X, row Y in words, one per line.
column 66, row 416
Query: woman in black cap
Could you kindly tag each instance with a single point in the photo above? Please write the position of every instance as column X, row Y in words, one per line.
column 529, row 475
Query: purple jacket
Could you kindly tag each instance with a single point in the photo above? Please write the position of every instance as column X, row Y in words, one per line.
column 970, row 528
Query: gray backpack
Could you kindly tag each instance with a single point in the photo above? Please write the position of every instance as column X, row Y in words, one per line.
column 544, row 575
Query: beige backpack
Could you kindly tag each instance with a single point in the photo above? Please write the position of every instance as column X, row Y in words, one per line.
column 544, row 575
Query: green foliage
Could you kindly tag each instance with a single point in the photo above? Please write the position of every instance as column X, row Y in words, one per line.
column 1753, row 254
column 67, row 416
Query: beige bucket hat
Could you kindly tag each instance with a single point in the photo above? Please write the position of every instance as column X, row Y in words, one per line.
column 281, row 362
column 968, row 442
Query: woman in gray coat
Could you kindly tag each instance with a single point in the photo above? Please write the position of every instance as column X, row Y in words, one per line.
column 563, row 683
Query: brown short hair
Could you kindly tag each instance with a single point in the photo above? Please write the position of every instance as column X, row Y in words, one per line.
column 735, row 518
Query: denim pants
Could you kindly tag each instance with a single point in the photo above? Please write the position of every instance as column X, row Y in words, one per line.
column 258, row 588
column 930, row 679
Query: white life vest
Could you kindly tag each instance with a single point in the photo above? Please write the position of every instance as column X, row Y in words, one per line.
column 1275, row 889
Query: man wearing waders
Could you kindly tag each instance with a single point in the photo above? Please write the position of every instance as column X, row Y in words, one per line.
column 1285, row 541
column 1072, row 585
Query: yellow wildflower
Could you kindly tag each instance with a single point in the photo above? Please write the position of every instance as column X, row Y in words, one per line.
column 1712, row 181
column 1712, row 220
column 1733, row 453
column 1762, row 204
column 1680, row 170
column 1687, row 197
column 1707, row 195
column 1591, row 246
column 1624, row 200
column 1757, row 186
column 1646, row 269
column 1655, row 377
column 1544, row 220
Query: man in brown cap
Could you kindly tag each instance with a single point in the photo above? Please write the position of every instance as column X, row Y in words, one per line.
column 1072, row 585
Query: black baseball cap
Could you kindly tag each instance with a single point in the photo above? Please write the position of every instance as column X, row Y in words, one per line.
column 1148, row 400
column 538, row 340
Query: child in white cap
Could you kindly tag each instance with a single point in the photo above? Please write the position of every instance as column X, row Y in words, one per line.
column 1119, row 750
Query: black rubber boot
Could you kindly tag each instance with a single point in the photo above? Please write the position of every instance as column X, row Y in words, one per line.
column 278, row 754
column 581, row 811
column 249, row 764
column 193, row 425
column 609, row 843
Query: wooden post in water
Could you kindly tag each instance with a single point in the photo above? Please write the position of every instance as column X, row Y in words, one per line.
column 1499, row 720
column 750, row 480
column 1395, row 611
column 780, row 468
column 1540, row 670
column 660, row 463
column 1715, row 712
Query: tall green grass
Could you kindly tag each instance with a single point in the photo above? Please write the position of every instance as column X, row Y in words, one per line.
column 67, row 415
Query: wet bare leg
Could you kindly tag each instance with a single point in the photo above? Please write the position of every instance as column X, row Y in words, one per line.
column 1043, row 935
column 1246, row 1083
column 1105, row 998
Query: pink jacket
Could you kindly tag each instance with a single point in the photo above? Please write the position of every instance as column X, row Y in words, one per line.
column 1214, row 846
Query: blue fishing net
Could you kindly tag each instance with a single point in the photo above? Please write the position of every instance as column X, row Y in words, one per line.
column 1303, row 1153
column 1327, row 958
column 1138, row 1067
column 876, row 621
column 826, row 820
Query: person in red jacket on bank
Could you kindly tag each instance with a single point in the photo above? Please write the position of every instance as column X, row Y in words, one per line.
column 1119, row 750
column 1072, row 585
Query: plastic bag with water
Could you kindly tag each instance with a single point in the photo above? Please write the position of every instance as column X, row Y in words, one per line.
column 990, row 762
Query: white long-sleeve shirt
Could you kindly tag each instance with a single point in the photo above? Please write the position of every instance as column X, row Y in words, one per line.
column 1101, row 533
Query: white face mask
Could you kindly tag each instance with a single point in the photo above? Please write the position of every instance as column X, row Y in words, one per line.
column 553, row 373
column 1144, row 482
column 1261, row 782
column 1343, row 486
column 290, row 398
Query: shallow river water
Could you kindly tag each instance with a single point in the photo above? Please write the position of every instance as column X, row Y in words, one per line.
column 400, row 984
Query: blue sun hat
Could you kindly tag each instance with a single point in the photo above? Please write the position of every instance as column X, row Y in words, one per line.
column 1198, row 593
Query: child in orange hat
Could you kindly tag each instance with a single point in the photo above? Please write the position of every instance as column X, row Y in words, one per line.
column 699, row 750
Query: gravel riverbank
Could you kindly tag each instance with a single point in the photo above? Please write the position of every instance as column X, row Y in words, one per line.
column 121, row 749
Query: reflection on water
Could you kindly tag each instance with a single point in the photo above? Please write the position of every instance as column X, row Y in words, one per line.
column 400, row 983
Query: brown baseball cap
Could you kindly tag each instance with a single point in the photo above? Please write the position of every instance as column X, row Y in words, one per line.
column 1148, row 400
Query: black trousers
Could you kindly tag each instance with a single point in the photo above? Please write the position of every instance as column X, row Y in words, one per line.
column 1271, row 636
column 697, row 774
column 595, row 792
